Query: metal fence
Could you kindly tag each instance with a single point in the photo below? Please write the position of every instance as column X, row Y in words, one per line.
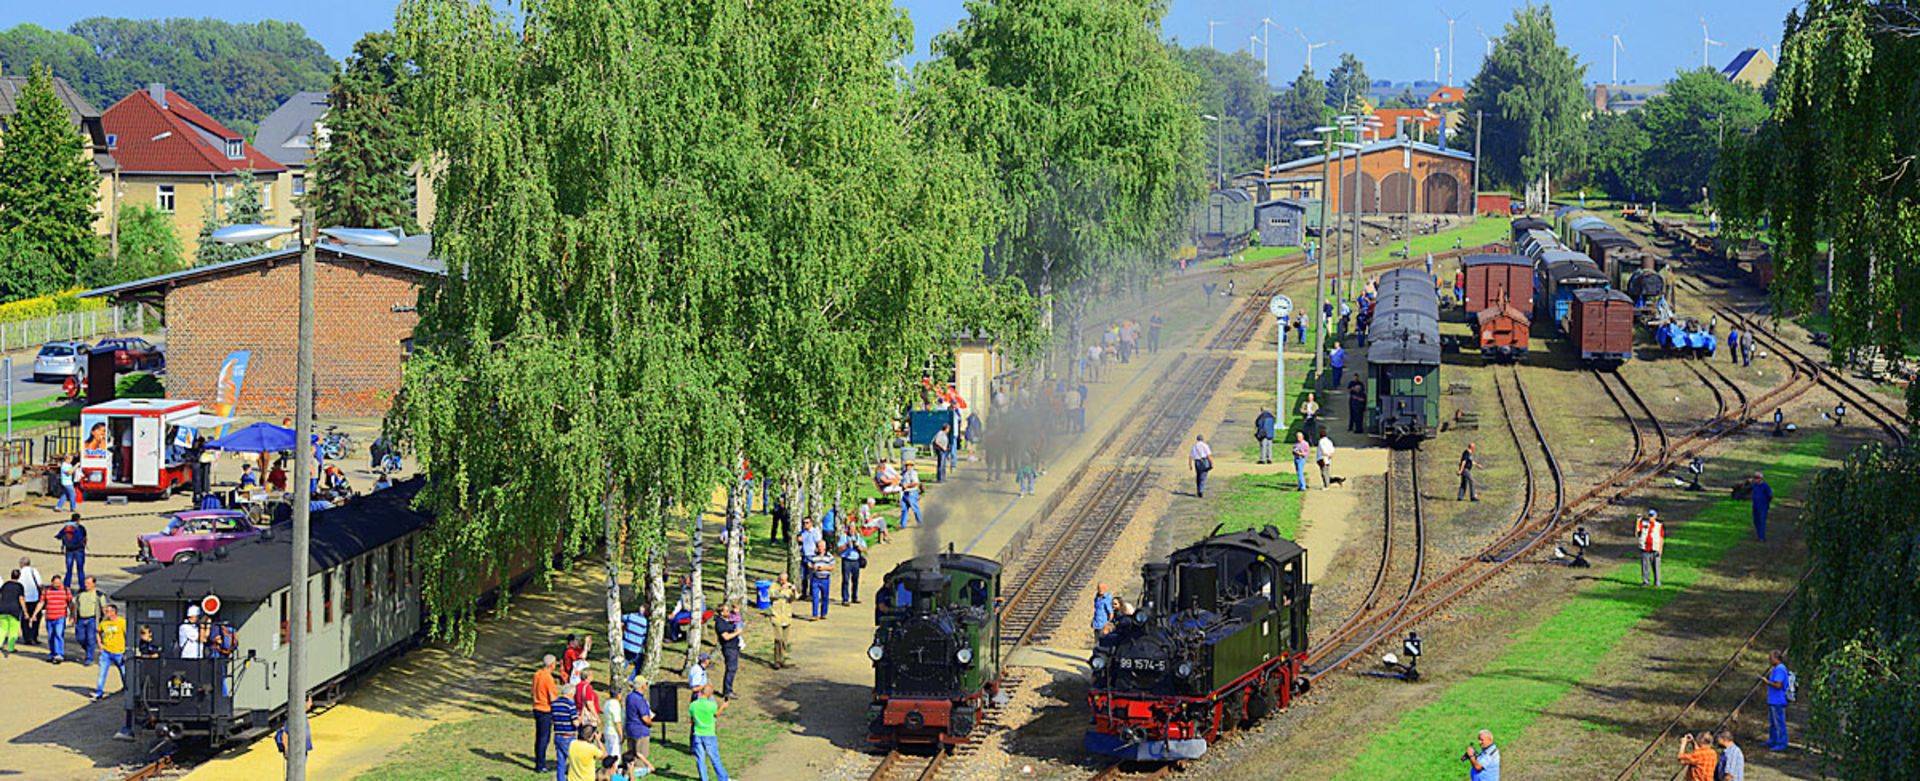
column 62, row 443
column 25, row 334
column 15, row 456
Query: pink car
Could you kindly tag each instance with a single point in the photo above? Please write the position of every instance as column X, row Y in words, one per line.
column 194, row 534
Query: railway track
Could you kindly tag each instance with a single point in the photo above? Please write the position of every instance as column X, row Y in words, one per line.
column 1121, row 773
column 1352, row 638
column 898, row 766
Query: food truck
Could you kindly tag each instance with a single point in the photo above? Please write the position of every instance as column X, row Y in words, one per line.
column 139, row 446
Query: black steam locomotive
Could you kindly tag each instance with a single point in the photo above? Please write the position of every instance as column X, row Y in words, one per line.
column 936, row 651
column 1218, row 640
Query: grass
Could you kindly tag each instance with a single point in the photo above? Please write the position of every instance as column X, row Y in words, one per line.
column 47, row 411
column 1253, row 501
column 477, row 748
column 1547, row 661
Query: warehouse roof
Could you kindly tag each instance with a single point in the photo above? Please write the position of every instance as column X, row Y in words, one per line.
column 414, row 253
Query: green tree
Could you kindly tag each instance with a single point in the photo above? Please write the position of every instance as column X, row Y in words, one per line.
column 1856, row 630
column 243, row 204
column 148, row 246
column 1534, row 107
column 1685, row 125
column 1088, row 132
column 1834, row 165
column 363, row 175
column 1297, row 112
column 1347, row 83
column 675, row 234
column 236, row 72
column 1230, row 86
column 48, row 189
column 1616, row 162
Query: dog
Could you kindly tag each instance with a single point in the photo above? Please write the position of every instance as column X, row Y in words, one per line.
column 1333, row 481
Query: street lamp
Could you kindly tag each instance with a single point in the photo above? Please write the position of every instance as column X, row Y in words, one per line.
column 1325, row 142
column 302, row 457
column 1345, row 282
column 1219, row 147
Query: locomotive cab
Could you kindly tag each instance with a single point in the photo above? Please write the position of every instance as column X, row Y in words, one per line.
column 1217, row 641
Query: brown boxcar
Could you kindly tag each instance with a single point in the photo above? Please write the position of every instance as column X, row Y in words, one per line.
column 1502, row 331
column 1600, row 325
column 1489, row 276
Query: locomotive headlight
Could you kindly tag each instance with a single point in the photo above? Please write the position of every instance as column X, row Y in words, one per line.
column 1099, row 663
column 965, row 655
column 876, row 652
column 1185, row 669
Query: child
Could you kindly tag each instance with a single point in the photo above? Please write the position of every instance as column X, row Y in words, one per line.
column 631, row 767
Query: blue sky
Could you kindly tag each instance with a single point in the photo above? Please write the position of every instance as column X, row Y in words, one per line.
column 1395, row 38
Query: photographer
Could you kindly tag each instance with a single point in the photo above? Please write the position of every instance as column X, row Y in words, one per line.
column 1697, row 756
column 1485, row 758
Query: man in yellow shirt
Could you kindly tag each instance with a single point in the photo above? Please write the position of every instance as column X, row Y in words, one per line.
column 782, row 595
column 583, row 758
column 112, row 631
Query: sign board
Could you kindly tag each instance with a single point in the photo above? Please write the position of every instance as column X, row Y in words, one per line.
column 1281, row 307
column 210, row 604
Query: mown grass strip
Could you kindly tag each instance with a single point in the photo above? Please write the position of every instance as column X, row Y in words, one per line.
column 1546, row 662
column 1253, row 501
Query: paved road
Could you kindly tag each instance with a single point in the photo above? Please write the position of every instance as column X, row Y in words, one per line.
column 24, row 388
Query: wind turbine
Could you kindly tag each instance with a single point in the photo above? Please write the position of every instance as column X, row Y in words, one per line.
column 1210, row 25
column 1483, row 34
column 1266, row 48
column 1310, row 46
column 1436, row 66
column 1450, row 20
column 1617, row 48
column 1706, row 42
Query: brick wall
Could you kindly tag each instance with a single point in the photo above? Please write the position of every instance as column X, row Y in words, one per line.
column 357, row 345
column 1431, row 173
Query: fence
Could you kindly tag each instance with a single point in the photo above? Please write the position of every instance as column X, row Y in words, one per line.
column 76, row 326
column 62, row 443
column 15, row 456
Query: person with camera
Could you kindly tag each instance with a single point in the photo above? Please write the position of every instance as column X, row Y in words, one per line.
column 1697, row 756
column 1484, row 757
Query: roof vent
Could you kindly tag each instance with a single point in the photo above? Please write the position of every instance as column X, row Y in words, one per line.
column 158, row 92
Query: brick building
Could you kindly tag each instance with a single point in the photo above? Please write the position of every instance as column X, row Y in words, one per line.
column 365, row 300
column 1441, row 179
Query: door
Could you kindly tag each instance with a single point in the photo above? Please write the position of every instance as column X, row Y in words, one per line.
column 146, row 452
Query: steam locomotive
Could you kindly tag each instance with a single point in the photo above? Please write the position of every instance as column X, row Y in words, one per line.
column 936, row 650
column 1217, row 641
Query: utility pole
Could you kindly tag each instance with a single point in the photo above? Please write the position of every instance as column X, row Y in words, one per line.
column 297, row 734
column 1319, row 263
column 1479, row 120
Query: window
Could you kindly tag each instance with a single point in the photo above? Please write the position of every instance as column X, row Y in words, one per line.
column 391, row 551
column 299, row 184
column 309, row 607
column 164, row 196
column 266, row 197
column 283, row 620
column 236, row 149
column 409, row 563
column 366, row 585
column 113, row 140
column 326, row 597
column 346, row 599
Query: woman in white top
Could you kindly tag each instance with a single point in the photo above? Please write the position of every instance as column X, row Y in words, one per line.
column 1325, row 459
column 30, row 581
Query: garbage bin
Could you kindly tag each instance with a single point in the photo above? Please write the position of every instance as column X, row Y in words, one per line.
column 765, row 590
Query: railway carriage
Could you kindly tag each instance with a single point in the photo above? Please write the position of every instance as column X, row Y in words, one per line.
column 936, row 650
column 1403, row 357
column 1218, row 641
column 363, row 606
column 1557, row 273
column 1600, row 326
column 1522, row 225
column 1499, row 294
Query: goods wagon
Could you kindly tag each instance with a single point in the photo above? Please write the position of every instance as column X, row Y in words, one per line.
column 1599, row 324
column 1521, row 225
column 1488, row 277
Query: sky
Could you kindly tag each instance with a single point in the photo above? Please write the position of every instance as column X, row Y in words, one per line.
column 1394, row 38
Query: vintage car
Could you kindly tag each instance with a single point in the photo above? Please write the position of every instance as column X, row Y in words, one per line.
column 194, row 534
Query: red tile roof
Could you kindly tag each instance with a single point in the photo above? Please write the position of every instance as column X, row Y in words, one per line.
column 1390, row 120
column 1448, row 95
column 179, row 138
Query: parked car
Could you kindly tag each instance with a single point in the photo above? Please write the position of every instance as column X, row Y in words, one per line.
column 133, row 353
column 194, row 534
column 61, row 359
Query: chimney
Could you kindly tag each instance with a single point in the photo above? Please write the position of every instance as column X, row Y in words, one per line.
column 158, row 92
column 1600, row 98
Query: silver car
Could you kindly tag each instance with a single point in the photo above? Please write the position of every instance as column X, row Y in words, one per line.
column 61, row 359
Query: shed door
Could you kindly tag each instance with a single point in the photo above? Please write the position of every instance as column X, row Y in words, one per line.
column 146, row 451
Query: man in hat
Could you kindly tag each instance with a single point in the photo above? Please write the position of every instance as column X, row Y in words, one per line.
column 910, row 496
column 1651, row 535
column 192, row 637
column 697, row 673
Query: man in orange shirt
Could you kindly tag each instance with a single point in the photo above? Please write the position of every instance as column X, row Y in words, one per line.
column 1698, row 757
column 544, row 690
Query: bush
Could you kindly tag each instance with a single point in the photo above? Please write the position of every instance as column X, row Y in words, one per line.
column 48, row 305
column 139, row 386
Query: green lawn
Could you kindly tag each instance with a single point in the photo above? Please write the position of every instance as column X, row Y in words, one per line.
column 47, row 411
column 489, row 747
column 1253, row 501
column 1547, row 661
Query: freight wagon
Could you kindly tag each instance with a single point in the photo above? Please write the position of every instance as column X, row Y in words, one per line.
column 1599, row 324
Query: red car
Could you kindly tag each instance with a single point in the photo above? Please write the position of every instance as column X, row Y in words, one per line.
column 133, row 354
column 194, row 534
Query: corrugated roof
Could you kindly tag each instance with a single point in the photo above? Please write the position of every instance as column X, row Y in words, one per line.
column 286, row 135
column 179, row 138
column 415, row 253
column 1377, row 146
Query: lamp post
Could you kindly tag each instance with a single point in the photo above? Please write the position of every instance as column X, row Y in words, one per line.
column 297, row 735
column 1325, row 142
column 1219, row 150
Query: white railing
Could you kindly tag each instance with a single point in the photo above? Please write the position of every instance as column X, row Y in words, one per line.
column 71, row 326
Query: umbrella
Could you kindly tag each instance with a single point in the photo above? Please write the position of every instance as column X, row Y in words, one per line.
column 257, row 438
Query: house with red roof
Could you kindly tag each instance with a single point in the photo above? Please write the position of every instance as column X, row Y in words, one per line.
column 172, row 155
column 85, row 119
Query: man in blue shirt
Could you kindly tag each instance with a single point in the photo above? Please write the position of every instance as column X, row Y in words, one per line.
column 638, row 723
column 1263, row 427
column 1762, row 502
column 1777, row 679
column 910, row 496
column 1485, row 759
column 853, row 549
column 1338, row 360
column 633, row 640
column 1102, row 610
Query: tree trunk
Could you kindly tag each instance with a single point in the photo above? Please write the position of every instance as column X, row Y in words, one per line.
column 698, row 560
column 617, row 663
column 656, row 599
column 798, row 509
column 736, row 541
